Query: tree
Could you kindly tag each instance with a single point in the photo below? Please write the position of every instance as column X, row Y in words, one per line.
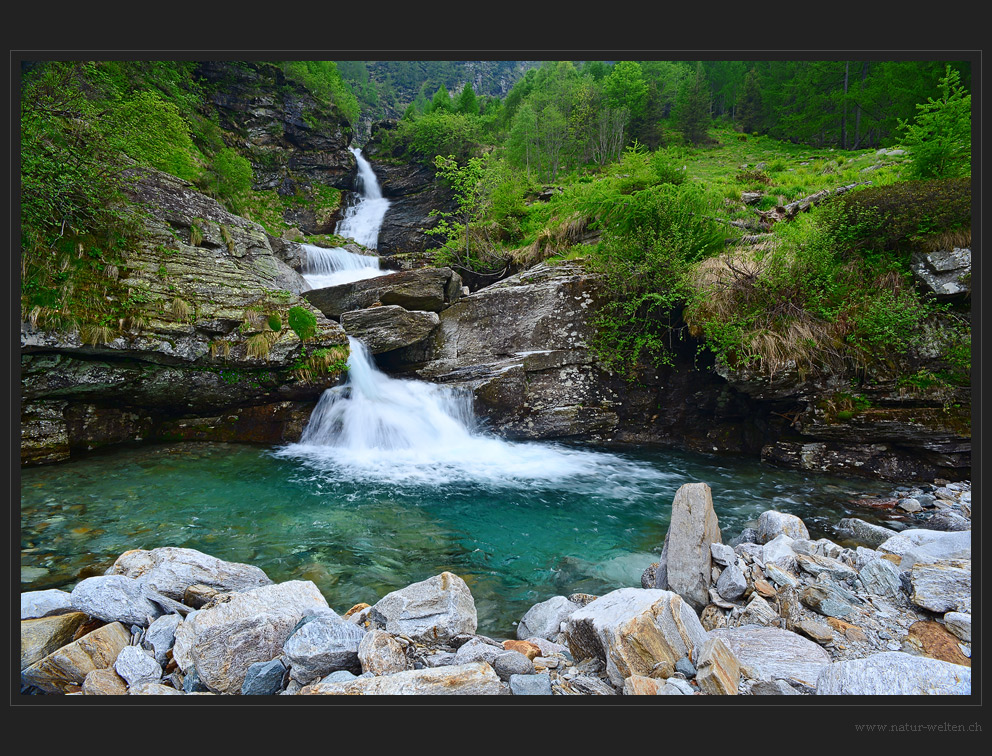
column 748, row 109
column 693, row 109
column 467, row 102
column 940, row 135
column 441, row 101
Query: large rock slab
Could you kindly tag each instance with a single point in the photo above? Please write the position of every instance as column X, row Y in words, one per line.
column 944, row 273
column 421, row 289
column 64, row 670
column 893, row 673
column 433, row 610
column 942, row 586
column 718, row 671
column 115, row 598
column 866, row 533
column 36, row 604
column 42, row 636
column 635, row 631
column 474, row 679
column 170, row 571
column 325, row 643
column 222, row 640
column 389, row 327
column 770, row 653
column 686, row 563
column 920, row 545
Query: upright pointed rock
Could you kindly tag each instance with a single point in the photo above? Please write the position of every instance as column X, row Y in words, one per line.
column 686, row 564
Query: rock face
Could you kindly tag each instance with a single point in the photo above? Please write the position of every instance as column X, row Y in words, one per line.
column 686, row 560
column 389, row 327
column 635, row 631
column 438, row 608
column 427, row 289
column 894, row 673
column 205, row 287
column 222, row 640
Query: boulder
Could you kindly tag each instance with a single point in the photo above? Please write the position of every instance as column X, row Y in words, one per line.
column 530, row 685
column 959, row 623
column 161, row 636
column 264, row 678
column 944, row 273
column 381, row 654
column 814, row 564
column 639, row 685
column 779, row 551
column 476, row 678
column 389, row 327
column 104, row 682
column 36, row 604
column 477, row 650
column 942, row 586
column 64, row 670
column 544, row 619
column 731, row 584
column 686, row 561
column 717, row 672
column 225, row 638
column 171, row 571
column 772, row 523
column 420, row 289
column 42, row 636
column 770, row 653
column 115, row 598
column 893, row 673
column 932, row 639
column 635, row 631
column 135, row 666
column 435, row 610
column 827, row 599
column 510, row 663
column 324, row 643
column 758, row 612
column 880, row 577
column 919, row 545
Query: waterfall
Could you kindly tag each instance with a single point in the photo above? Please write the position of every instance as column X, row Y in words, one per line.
column 380, row 429
column 361, row 222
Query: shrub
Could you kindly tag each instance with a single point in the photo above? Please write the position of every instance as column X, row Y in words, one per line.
column 303, row 322
column 153, row 132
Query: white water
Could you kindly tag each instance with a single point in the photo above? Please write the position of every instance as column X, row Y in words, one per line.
column 380, row 429
column 361, row 222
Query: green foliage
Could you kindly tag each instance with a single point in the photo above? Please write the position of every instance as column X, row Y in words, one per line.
column 275, row 322
column 303, row 322
column 940, row 135
column 322, row 79
column 152, row 131
column 229, row 177
column 467, row 101
column 692, row 112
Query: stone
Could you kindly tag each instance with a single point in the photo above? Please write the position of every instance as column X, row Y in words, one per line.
column 37, row 604
column 530, row 685
column 770, row 653
column 153, row 689
column 530, row 650
column 686, row 559
column 224, row 639
column 474, row 679
column 135, row 666
column 747, row 535
column 932, row 639
column 685, row 667
column 815, row 630
column 880, row 577
column 942, row 586
column 171, row 570
column 325, row 643
column 909, row 505
column 544, row 619
column 683, row 686
column 758, row 612
column 717, row 672
column 773, row 688
column 826, row 599
column 639, row 685
column 64, row 670
column 104, row 682
column 115, row 598
column 420, row 289
column 381, row 654
column 779, row 576
column 779, row 551
column 919, row 545
column 944, row 273
column 42, row 636
column 814, row 564
column 388, row 327
column 866, row 533
column 635, row 631
column 477, row 650
column 723, row 554
column 893, row 673
column 161, row 636
column 198, row 596
column 731, row 583
column 959, row 623
column 947, row 520
column 712, row 617
column 435, row 610
column 772, row 523
column 510, row 663
column 264, row 678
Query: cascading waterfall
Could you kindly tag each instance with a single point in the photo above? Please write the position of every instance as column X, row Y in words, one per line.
column 361, row 222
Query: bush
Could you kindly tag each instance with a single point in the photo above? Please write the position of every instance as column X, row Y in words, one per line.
column 303, row 322
column 152, row 131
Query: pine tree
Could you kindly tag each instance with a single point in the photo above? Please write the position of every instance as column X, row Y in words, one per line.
column 748, row 111
column 693, row 110
column 467, row 101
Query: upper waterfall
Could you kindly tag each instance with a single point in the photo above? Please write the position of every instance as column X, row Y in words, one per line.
column 363, row 218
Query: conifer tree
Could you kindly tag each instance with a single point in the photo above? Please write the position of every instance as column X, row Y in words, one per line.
column 693, row 109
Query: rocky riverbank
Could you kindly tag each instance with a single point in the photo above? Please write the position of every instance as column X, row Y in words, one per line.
column 876, row 610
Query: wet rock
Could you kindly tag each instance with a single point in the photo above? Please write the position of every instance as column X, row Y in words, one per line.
column 171, row 571
column 769, row 653
column 927, row 546
column 135, row 666
column 224, row 639
column 894, row 673
column 942, row 586
column 323, row 644
column 434, row 610
column 115, row 598
column 772, row 524
column 381, row 654
column 104, row 682
column 264, row 678
column 36, row 604
column 544, row 620
column 635, row 631
column 718, row 670
column 421, row 289
column 64, row 670
column 42, row 636
column 686, row 560
column 477, row 678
